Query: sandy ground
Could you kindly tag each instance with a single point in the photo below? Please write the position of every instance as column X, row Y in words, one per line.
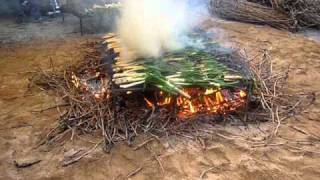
column 48, row 29
column 24, row 48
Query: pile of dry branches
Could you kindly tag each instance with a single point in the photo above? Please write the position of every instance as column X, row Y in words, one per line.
column 242, row 10
column 271, row 3
column 306, row 13
column 283, row 14
column 122, row 118
column 81, row 112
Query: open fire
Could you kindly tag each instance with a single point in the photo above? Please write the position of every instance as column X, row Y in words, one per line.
column 94, row 83
column 194, row 101
column 203, row 101
column 190, row 82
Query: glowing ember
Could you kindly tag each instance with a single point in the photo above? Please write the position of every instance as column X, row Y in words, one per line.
column 210, row 91
column 149, row 103
column 96, row 84
column 202, row 101
column 242, row 93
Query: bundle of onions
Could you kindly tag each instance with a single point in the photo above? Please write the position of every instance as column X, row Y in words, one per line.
column 172, row 72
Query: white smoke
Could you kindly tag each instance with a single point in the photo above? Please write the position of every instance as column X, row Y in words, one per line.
column 149, row 27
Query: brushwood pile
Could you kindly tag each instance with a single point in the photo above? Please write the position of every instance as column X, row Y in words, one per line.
column 292, row 15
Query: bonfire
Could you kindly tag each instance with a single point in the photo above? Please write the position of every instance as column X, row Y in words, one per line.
column 172, row 94
column 192, row 79
column 159, row 96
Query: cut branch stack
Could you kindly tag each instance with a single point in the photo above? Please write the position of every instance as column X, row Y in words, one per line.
column 283, row 14
column 242, row 10
column 306, row 13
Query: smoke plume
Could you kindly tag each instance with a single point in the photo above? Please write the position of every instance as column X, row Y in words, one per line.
column 149, row 27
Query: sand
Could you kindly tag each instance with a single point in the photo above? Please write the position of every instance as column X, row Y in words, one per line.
column 22, row 129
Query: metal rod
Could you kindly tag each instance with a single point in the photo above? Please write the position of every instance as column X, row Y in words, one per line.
column 81, row 27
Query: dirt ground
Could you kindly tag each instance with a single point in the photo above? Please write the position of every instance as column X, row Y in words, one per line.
column 26, row 47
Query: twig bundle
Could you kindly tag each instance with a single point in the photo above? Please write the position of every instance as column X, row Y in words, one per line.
column 242, row 10
column 270, row 3
column 306, row 13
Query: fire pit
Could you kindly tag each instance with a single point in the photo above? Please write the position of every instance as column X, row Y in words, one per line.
column 191, row 82
column 194, row 80
column 166, row 95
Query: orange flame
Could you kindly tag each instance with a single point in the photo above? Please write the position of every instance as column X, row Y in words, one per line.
column 207, row 101
column 242, row 94
column 192, row 109
column 149, row 103
column 166, row 101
